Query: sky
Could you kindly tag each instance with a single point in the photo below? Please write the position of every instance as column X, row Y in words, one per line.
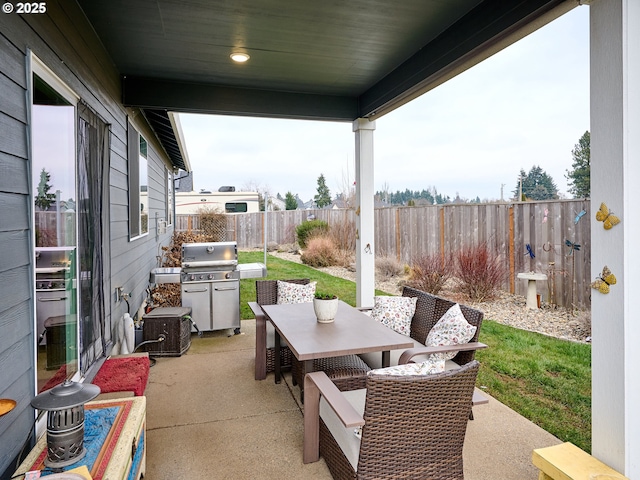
column 526, row 105
column 54, row 148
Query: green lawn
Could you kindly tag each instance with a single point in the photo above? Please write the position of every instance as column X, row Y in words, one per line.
column 544, row 379
column 281, row 270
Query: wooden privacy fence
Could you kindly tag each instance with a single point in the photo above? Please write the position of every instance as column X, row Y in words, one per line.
column 506, row 229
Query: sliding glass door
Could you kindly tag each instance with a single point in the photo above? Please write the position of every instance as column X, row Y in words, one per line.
column 53, row 134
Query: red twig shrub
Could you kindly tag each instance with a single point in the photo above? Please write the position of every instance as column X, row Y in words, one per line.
column 429, row 273
column 320, row 252
column 479, row 272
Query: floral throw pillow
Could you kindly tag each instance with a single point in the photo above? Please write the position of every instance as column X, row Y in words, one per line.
column 295, row 293
column 395, row 312
column 451, row 329
column 428, row 367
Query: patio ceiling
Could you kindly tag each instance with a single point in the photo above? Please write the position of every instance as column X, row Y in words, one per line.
column 322, row 60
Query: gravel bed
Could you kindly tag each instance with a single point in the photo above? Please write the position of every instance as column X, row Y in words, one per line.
column 507, row 309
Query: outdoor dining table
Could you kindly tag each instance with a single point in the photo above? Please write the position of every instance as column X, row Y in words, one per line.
column 351, row 332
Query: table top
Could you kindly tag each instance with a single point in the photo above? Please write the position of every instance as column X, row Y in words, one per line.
column 115, row 439
column 351, row 332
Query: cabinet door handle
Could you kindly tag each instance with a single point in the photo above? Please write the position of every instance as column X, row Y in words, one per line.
column 222, row 289
column 194, row 291
column 52, row 299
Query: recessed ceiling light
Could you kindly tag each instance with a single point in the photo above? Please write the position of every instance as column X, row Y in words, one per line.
column 239, row 57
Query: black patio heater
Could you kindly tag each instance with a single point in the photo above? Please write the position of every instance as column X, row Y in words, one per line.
column 64, row 405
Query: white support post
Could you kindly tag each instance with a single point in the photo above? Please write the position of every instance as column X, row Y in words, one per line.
column 615, row 176
column 365, row 235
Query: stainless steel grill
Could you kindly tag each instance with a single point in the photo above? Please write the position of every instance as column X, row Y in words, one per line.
column 210, row 285
column 53, row 280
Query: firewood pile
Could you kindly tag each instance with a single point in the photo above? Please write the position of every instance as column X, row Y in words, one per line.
column 166, row 295
column 169, row 294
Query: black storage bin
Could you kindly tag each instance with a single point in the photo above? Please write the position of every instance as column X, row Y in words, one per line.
column 61, row 339
column 172, row 322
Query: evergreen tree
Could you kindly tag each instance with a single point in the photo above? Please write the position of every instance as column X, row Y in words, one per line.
column 44, row 199
column 323, row 198
column 580, row 177
column 536, row 185
column 290, row 202
column 429, row 196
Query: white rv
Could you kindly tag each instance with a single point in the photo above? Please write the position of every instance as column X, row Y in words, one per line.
column 225, row 202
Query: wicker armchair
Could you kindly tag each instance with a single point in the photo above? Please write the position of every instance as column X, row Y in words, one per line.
column 267, row 294
column 429, row 309
column 412, row 426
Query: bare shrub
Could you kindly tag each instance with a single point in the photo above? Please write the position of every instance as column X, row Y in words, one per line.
column 479, row 272
column 389, row 266
column 346, row 259
column 289, row 234
column 213, row 224
column 46, row 237
column 429, row 273
column 580, row 323
column 343, row 234
column 320, row 252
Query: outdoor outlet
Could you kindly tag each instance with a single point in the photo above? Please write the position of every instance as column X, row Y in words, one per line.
column 161, row 226
column 121, row 294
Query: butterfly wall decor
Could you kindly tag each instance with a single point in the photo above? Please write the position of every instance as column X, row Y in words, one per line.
column 607, row 217
column 604, row 281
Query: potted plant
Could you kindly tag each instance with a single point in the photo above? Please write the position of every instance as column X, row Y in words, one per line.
column 325, row 305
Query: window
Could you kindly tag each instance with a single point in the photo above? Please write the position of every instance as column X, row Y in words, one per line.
column 169, row 209
column 138, row 184
column 144, row 188
column 235, row 207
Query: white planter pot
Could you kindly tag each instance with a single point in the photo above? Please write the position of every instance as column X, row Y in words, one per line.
column 325, row 310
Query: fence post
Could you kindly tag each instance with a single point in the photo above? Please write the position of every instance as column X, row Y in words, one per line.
column 442, row 234
column 512, row 253
column 398, row 236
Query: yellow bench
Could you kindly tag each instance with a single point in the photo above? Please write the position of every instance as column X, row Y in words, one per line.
column 568, row 462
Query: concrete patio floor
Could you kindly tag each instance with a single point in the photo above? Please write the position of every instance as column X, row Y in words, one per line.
column 207, row 418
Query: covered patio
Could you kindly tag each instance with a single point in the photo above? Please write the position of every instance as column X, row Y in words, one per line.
column 208, row 418
column 136, row 63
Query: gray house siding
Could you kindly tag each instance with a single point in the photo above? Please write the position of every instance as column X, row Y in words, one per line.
column 16, row 291
column 64, row 42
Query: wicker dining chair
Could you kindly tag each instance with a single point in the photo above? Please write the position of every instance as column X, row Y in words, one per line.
column 267, row 294
column 348, row 372
column 411, row 426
